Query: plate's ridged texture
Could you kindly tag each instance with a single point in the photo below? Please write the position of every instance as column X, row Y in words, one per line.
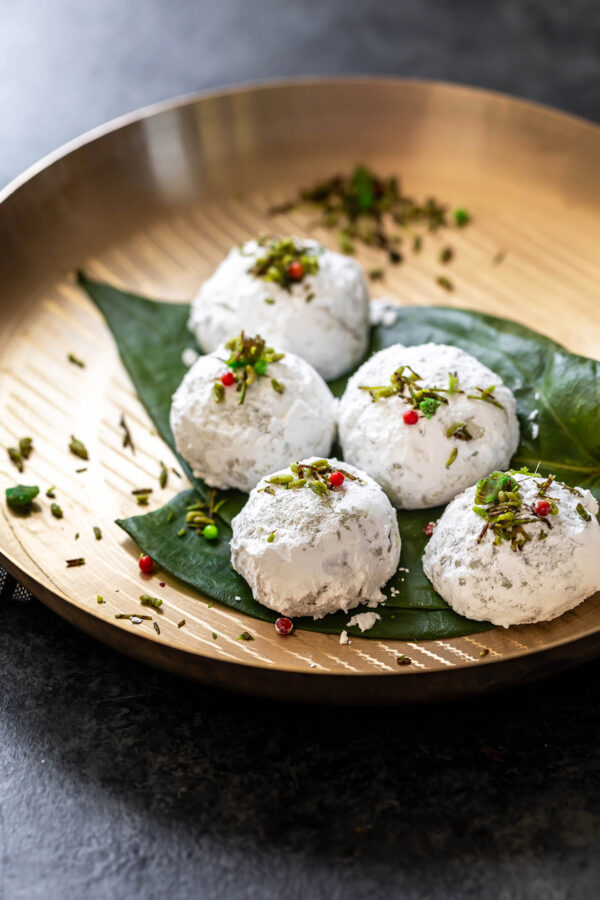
column 153, row 206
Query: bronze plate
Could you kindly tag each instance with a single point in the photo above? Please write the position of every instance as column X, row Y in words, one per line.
column 152, row 202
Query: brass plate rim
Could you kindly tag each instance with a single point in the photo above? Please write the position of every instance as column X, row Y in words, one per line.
column 151, row 110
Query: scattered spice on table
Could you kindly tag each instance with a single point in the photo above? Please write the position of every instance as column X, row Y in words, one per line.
column 78, row 561
column 181, row 624
column 78, row 448
column 163, row 476
column 127, row 439
column 97, row 533
column 21, row 496
column 156, row 627
column 76, row 361
column 445, row 283
column 374, row 210
column 147, row 600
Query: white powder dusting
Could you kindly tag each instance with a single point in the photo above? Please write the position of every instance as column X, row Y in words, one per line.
column 330, row 331
column 493, row 583
column 329, row 553
column 364, row 621
column 410, row 462
column 189, row 356
column 231, row 445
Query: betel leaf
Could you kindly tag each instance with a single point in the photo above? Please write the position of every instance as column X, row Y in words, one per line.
column 206, row 566
column 151, row 337
column 558, row 399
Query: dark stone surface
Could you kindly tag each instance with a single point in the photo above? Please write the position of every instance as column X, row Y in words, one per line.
column 120, row 782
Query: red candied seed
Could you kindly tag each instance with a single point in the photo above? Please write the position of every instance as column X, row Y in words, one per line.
column 283, row 625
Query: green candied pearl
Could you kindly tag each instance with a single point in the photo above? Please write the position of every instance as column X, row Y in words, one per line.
column 210, row 532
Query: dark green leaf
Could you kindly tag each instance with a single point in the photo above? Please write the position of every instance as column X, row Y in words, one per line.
column 151, row 337
column 417, row 613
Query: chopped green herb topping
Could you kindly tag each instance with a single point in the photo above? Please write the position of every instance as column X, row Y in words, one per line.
column 21, row 496
column 249, row 360
column 285, row 263
column 56, row 511
column 459, row 431
column 446, row 254
column 365, row 207
column 461, row 217
column 25, row 447
column 376, row 274
column 51, row 492
column 271, row 538
column 147, row 600
column 245, row 636
column 156, row 627
column 445, row 283
column 485, row 394
column 72, row 563
column 100, row 599
column 499, row 502
column 77, row 448
column 406, row 384
column 452, row 457
column 20, row 453
column 163, row 476
column 15, row 457
column 315, row 476
column 127, row 439
column 76, row 361
column 97, row 533
column 583, row 512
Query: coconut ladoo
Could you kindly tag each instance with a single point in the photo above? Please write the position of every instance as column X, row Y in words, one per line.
column 316, row 537
column 516, row 548
column 426, row 422
column 246, row 409
column 300, row 296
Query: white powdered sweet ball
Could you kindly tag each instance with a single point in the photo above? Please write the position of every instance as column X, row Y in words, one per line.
column 322, row 316
column 307, row 553
column 231, row 444
column 420, row 449
column 512, row 582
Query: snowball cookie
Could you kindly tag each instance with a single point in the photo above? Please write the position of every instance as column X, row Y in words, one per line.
column 426, row 438
column 307, row 548
column 286, row 412
column 508, row 576
column 297, row 294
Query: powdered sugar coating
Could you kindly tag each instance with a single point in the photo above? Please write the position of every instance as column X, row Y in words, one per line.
column 327, row 554
column 330, row 331
column 231, row 445
column 410, row 461
column 493, row 583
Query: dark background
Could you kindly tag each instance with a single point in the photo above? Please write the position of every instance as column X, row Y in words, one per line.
column 120, row 782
